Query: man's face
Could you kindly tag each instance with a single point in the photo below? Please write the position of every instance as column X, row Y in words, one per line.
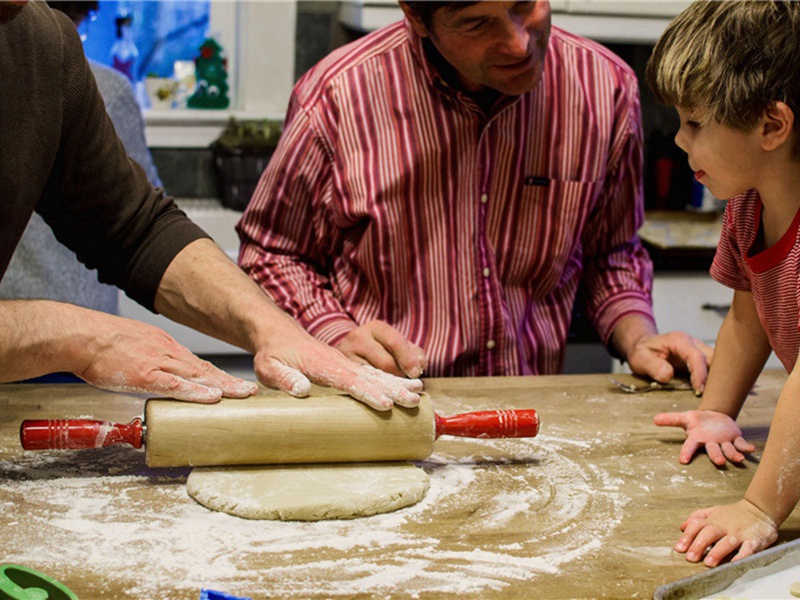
column 495, row 45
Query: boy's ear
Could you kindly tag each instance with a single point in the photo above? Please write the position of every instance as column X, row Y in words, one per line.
column 777, row 125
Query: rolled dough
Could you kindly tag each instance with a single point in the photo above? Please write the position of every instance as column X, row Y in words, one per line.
column 308, row 492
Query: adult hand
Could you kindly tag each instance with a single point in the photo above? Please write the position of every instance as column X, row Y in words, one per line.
column 385, row 348
column 715, row 431
column 741, row 526
column 297, row 363
column 129, row 356
column 658, row 356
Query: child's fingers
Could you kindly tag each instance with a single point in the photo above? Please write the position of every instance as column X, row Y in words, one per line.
column 743, row 445
column 671, row 420
column 691, row 528
column 688, row 450
column 715, row 453
column 721, row 549
column 731, row 453
column 707, row 536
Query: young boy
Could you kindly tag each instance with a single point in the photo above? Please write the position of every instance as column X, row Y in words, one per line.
column 732, row 70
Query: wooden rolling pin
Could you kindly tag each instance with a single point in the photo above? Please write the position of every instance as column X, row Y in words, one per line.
column 256, row 430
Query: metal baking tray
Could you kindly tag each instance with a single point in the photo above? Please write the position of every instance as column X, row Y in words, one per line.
column 759, row 566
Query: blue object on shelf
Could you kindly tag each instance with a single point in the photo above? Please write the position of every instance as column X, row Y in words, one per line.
column 212, row 595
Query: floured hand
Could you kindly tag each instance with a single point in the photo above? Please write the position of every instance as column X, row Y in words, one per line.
column 129, row 356
column 296, row 365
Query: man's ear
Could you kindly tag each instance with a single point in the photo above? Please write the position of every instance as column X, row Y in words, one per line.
column 777, row 125
column 416, row 23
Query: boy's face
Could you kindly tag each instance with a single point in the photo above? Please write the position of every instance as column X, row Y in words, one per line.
column 725, row 160
column 495, row 45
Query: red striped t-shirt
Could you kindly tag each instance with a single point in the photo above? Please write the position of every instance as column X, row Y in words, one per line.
column 772, row 275
column 393, row 196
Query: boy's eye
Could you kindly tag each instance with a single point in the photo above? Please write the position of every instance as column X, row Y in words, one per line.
column 693, row 124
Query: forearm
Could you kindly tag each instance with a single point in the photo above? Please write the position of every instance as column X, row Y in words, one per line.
column 775, row 489
column 41, row 336
column 741, row 350
column 739, row 356
column 203, row 289
column 630, row 330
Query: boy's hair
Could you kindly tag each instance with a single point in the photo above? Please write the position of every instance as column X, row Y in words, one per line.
column 730, row 59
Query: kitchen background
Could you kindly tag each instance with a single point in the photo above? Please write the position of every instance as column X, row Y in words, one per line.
column 267, row 45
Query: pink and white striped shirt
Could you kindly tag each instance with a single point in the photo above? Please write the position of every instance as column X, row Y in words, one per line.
column 393, row 196
column 772, row 275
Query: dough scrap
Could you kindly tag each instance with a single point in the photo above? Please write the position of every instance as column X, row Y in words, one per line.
column 794, row 589
column 308, row 492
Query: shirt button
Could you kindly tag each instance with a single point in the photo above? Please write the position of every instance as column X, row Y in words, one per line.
column 486, row 272
column 484, row 198
column 490, row 344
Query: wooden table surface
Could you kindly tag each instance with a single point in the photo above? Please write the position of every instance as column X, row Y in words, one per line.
column 588, row 509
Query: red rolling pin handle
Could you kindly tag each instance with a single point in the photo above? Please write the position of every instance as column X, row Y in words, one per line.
column 78, row 434
column 490, row 424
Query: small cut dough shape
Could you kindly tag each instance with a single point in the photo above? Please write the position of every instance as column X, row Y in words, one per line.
column 308, row 492
column 794, row 589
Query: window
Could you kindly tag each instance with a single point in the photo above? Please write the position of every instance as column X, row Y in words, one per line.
column 258, row 38
column 159, row 32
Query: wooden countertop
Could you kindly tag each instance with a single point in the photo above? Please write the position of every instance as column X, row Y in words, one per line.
column 588, row 509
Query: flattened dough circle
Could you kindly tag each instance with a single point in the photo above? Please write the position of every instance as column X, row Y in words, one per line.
column 308, row 492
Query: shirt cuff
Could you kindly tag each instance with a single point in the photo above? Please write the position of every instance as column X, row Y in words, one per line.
column 615, row 309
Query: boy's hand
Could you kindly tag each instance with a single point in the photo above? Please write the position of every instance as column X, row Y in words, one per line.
column 715, row 431
column 727, row 528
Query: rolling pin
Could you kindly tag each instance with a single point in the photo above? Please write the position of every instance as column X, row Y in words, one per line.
column 251, row 431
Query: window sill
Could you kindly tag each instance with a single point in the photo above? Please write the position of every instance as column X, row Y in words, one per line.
column 191, row 128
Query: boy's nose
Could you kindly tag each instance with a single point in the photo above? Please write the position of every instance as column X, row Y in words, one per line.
column 680, row 142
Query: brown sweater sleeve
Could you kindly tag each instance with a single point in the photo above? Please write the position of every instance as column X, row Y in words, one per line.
column 98, row 201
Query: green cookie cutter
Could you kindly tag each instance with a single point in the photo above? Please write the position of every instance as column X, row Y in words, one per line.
column 23, row 583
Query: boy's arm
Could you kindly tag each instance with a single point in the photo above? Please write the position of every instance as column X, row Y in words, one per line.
column 752, row 524
column 741, row 351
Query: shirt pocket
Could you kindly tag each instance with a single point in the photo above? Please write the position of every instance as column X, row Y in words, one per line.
column 542, row 232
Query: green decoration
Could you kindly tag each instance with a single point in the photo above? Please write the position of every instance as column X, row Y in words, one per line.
column 212, row 78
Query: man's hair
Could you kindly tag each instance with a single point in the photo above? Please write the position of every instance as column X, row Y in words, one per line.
column 731, row 60
column 76, row 10
column 425, row 9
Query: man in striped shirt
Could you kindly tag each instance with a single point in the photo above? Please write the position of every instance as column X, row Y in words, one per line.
column 447, row 185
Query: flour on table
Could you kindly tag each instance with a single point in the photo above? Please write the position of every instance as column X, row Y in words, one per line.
column 102, row 516
column 308, row 492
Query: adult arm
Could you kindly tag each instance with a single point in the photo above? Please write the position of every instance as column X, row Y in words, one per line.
column 205, row 290
column 110, row 352
column 618, row 273
column 290, row 237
